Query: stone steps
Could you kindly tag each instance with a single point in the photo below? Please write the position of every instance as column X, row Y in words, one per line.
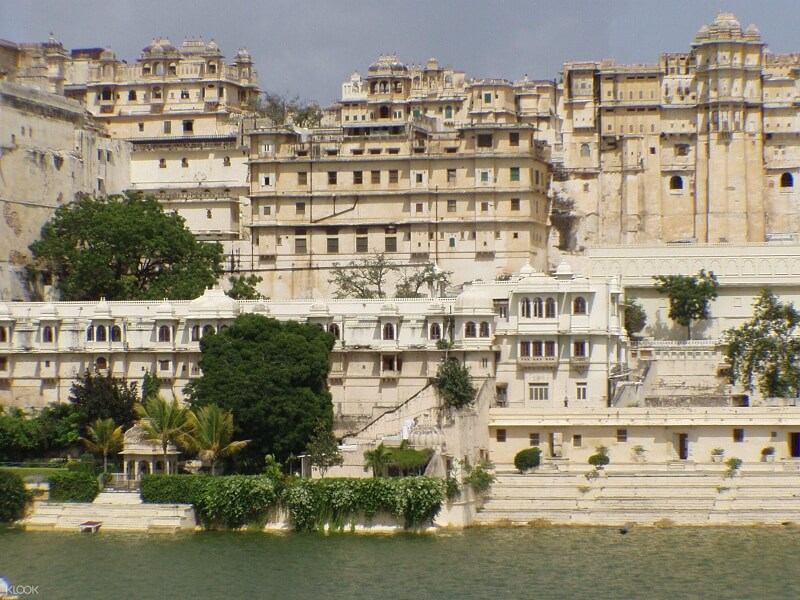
column 114, row 516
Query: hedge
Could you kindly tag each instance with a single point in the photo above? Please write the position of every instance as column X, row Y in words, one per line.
column 13, row 497
column 529, row 458
column 312, row 503
column 73, row 487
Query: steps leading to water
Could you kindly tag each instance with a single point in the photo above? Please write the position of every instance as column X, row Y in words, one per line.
column 698, row 495
column 117, row 512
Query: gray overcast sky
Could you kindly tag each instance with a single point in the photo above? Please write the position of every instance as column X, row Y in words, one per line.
column 308, row 48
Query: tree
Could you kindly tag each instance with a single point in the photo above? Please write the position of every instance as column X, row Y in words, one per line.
column 377, row 459
column 272, row 376
column 210, row 434
column 163, row 423
column 123, row 248
column 365, row 278
column 104, row 438
column 243, row 287
column 454, row 385
column 764, row 351
column 13, row 497
column 20, row 436
column 101, row 396
column 635, row 317
column 689, row 296
column 323, row 449
column 281, row 109
column 429, row 275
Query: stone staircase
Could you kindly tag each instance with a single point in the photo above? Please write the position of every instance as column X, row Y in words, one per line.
column 700, row 495
column 117, row 511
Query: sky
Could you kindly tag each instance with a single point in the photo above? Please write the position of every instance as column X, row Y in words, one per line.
column 307, row 48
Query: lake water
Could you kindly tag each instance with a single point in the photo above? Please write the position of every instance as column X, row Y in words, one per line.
column 586, row 563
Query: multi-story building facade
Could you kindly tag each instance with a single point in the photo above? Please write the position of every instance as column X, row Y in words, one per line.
column 699, row 147
column 424, row 180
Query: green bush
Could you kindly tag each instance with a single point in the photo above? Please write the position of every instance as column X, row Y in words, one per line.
column 599, row 461
column 231, row 501
column 73, row 487
column 480, row 479
column 527, row 459
column 13, row 497
column 87, row 464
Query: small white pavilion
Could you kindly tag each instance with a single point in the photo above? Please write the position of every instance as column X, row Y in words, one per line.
column 141, row 456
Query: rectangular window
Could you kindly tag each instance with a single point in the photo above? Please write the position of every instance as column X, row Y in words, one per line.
column 484, row 206
column 500, row 435
column 579, row 350
column 362, row 244
column 418, row 207
column 184, row 94
column 331, row 177
column 738, row 435
column 358, row 177
column 533, row 439
column 141, row 126
column 267, row 180
column 333, row 245
column 515, row 204
column 167, row 126
column 188, row 126
column 302, row 178
column 375, row 176
column 163, row 365
column 484, row 140
column 132, row 95
column 577, row 441
column 300, row 208
column 162, row 163
column 267, row 210
column 3, row 363
column 513, row 138
column 514, row 173
column 300, row 245
column 487, row 97
column 452, row 205
column 622, row 435
column 393, row 176
column 451, row 175
column 524, row 349
column 484, row 176
column 391, row 243
column 550, row 349
column 538, row 392
column 418, row 177
column 580, row 390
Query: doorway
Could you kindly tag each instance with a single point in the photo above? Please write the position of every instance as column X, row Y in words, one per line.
column 794, row 444
column 682, row 445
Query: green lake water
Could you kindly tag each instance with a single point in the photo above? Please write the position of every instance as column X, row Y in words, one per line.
column 540, row 563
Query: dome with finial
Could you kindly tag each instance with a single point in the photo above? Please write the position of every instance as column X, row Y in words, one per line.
column 242, row 56
column 102, row 310
column 425, row 434
column 214, row 303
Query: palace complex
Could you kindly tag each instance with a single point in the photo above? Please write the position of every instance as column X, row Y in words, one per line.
column 550, row 203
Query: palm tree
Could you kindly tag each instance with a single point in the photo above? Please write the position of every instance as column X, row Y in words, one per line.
column 163, row 422
column 377, row 459
column 104, row 438
column 209, row 433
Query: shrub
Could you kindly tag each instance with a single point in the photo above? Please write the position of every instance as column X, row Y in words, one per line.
column 73, row 487
column 600, row 459
column 768, row 451
column 479, row 478
column 87, row 464
column 13, row 497
column 173, row 489
column 527, row 459
column 417, row 500
column 451, row 488
column 732, row 465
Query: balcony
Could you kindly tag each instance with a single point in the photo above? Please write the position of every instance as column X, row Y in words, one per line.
column 537, row 361
column 387, row 374
column 579, row 362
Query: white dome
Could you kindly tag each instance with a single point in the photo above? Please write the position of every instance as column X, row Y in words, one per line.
column 214, row 303
column 102, row 310
column 475, row 299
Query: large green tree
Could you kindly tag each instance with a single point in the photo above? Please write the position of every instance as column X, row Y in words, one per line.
column 689, row 296
column 635, row 317
column 210, row 434
column 273, row 377
column 164, row 423
column 123, row 248
column 104, row 438
column 98, row 395
column 764, row 351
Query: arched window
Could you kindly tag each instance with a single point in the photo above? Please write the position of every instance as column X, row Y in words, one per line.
column 90, row 333
column 384, row 112
column 579, row 306
column 388, row 331
column 101, row 363
column 538, row 308
column 3, row 334
column 116, row 333
column 470, row 330
column 550, row 308
column 100, row 334
column 435, row 331
column 787, row 180
column 334, row 329
column 47, row 334
column 163, row 334
column 196, row 333
column 585, row 151
column 208, row 329
column 676, row 182
column 484, row 329
column 525, row 308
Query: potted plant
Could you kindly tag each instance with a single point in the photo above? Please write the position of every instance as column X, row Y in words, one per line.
column 768, row 454
column 717, row 454
column 638, row 453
